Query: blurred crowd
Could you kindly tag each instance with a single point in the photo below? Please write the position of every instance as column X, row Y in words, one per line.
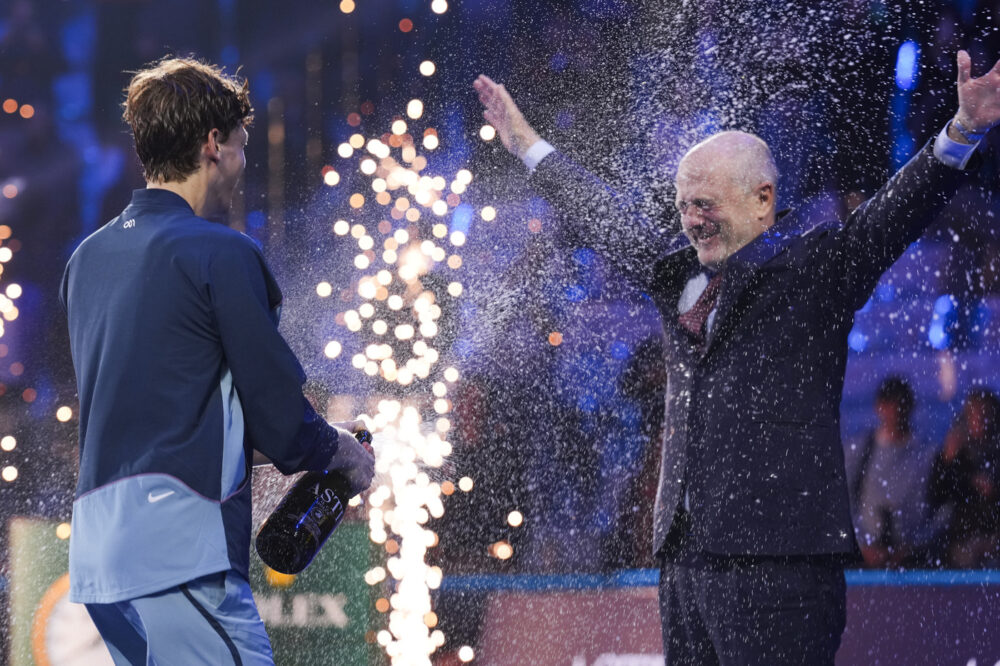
column 919, row 503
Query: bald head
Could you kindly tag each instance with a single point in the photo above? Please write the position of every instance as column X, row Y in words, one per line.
column 743, row 157
column 726, row 194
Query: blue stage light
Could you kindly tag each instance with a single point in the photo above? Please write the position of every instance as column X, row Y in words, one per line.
column 575, row 293
column 937, row 336
column 944, row 304
column 907, row 61
column 857, row 340
column 461, row 219
column 584, row 256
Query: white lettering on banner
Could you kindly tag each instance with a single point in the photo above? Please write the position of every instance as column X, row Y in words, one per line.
column 269, row 608
column 611, row 659
column 307, row 610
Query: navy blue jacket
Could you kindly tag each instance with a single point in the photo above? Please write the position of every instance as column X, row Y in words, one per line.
column 181, row 373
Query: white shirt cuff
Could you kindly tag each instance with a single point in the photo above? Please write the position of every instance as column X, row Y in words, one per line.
column 952, row 153
column 536, row 153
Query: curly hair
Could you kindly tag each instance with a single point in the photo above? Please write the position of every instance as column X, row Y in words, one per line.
column 171, row 105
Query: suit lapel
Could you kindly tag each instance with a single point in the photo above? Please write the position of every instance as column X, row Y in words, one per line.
column 673, row 272
column 742, row 268
column 734, row 282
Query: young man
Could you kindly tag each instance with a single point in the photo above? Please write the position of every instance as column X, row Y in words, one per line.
column 183, row 380
column 752, row 525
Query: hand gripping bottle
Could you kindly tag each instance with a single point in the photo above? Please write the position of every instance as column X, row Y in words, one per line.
column 306, row 516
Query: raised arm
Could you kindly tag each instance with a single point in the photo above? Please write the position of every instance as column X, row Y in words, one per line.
column 880, row 230
column 591, row 211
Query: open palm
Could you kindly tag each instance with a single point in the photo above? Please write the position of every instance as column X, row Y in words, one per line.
column 978, row 98
column 501, row 112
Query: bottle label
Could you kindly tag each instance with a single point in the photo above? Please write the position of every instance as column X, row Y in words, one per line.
column 324, row 510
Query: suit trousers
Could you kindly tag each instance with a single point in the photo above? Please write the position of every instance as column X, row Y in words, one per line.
column 740, row 611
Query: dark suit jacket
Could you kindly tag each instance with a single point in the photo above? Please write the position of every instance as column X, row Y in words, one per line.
column 752, row 426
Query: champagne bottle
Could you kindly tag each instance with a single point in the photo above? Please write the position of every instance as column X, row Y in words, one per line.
column 304, row 519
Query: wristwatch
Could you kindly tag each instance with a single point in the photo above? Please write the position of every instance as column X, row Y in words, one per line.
column 970, row 135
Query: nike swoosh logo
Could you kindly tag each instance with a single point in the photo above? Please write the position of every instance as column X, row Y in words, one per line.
column 156, row 498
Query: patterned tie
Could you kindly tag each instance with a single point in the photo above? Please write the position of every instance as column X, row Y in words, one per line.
column 694, row 320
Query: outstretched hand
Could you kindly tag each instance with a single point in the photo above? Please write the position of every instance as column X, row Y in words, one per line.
column 978, row 98
column 514, row 131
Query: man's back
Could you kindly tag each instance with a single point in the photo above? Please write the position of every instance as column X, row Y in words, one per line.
column 147, row 350
column 162, row 428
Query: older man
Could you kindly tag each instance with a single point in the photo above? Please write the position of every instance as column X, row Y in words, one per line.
column 752, row 522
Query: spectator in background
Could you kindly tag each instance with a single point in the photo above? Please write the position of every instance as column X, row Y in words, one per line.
column 888, row 470
column 966, row 478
